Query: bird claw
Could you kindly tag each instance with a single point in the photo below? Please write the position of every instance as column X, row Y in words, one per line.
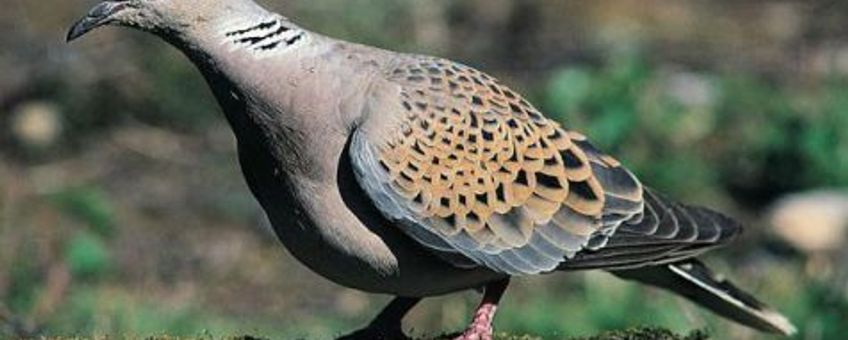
column 481, row 327
column 476, row 332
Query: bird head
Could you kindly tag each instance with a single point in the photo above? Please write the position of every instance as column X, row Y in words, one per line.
column 161, row 17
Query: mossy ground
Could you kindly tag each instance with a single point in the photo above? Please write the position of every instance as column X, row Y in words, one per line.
column 629, row 334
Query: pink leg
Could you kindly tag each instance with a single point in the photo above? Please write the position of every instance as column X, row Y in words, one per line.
column 481, row 326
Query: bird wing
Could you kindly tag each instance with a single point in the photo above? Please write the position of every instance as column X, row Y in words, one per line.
column 665, row 233
column 467, row 166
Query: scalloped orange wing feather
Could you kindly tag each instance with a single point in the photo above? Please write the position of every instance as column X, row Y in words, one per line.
column 467, row 166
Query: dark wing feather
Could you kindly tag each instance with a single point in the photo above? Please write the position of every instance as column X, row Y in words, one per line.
column 667, row 232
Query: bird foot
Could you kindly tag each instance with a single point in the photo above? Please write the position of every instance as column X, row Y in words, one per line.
column 476, row 334
column 481, row 327
column 387, row 324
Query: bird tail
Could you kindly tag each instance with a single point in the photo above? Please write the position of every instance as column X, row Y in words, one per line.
column 693, row 280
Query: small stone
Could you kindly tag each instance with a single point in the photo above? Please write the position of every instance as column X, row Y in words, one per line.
column 36, row 124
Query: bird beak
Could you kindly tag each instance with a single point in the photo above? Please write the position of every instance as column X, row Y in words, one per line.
column 98, row 16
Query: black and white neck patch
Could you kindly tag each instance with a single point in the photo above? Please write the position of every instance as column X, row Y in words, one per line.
column 264, row 37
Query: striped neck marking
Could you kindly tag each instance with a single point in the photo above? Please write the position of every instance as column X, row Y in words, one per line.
column 266, row 37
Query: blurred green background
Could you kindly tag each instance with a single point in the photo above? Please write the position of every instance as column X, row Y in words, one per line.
column 123, row 212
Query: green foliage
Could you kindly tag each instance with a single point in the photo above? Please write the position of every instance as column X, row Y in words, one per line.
column 87, row 256
column 163, row 99
column 569, row 88
column 689, row 132
column 90, row 206
column 366, row 21
column 820, row 309
column 95, row 310
column 623, row 110
column 23, row 274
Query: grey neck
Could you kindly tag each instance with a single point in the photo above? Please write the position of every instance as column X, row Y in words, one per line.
column 231, row 48
column 236, row 32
